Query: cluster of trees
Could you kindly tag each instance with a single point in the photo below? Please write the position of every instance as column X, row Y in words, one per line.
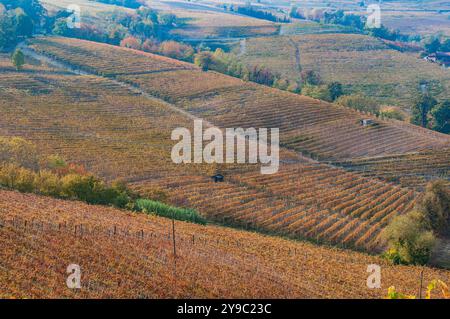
column 18, row 20
column 22, row 169
column 172, row 49
column 313, row 86
column 435, row 44
column 354, row 21
column 411, row 237
column 76, row 186
column 309, row 83
column 428, row 112
column 230, row 64
column 359, row 102
column 259, row 14
column 143, row 24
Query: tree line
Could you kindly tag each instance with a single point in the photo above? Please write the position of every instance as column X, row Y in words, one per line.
column 431, row 113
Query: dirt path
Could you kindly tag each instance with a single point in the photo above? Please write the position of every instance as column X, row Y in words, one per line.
column 296, row 47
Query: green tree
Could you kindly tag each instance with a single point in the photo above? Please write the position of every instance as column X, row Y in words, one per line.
column 359, row 102
column 203, row 60
column 421, row 108
column 23, row 24
column 441, row 117
column 433, row 45
column 409, row 238
column 18, row 59
column 61, row 28
column 445, row 46
column 335, row 89
column 320, row 92
column 435, row 205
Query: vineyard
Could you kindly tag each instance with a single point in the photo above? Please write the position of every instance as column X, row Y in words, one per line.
column 314, row 202
column 361, row 63
column 312, row 127
column 205, row 21
column 411, row 170
column 118, row 134
column 124, row 255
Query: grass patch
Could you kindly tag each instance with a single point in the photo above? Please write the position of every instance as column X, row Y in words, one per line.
column 163, row 210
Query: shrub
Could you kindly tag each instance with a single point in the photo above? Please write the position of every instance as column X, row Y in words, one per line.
column 8, row 175
column 18, row 151
column 435, row 205
column 392, row 113
column 335, row 89
column 25, row 180
column 176, row 50
column 410, row 239
column 311, row 77
column 203, row 60
column 359, row 102
column 160, row 209
column 131, row 43
column 320, row 92
column 18, row 59
column 150, row 46
column 48, row 183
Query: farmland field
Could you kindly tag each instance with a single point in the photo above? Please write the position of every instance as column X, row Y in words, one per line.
column 130, row 256
column 305, row 124
column 128, row 137
column 133, row 165
column 361, row 63
column 412, row 170
column 198, row 22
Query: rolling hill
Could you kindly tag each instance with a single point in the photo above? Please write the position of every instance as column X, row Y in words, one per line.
column 119, row 132
column 315, row 128
column 363, row 64
column 125, row 255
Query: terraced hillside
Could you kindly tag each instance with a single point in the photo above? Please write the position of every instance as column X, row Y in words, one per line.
column 411, row 170
column 117, row 133
column 361, row 63
column 315, row 128
column 125, row 255
column 314, row 202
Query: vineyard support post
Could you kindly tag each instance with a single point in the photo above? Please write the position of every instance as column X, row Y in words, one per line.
column 421, row 284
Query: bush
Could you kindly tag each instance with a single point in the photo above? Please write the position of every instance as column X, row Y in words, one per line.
column 131, row 43
column 359, row 102
column 176, row 50
column 435, row 205
column 203, row 60
column 320, row 92
column 25, row 180
column 311, row 78
column 410, row 239
column 392, row 113
column 8, row 175
column 18, row 151
column 48, row 183
column 160, row 209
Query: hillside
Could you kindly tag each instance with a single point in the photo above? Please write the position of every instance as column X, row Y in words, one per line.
column 411, row 170
column 125, row 255
column 363, row 64
column 117, row 132
column 199, row 22
column 312, row 127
